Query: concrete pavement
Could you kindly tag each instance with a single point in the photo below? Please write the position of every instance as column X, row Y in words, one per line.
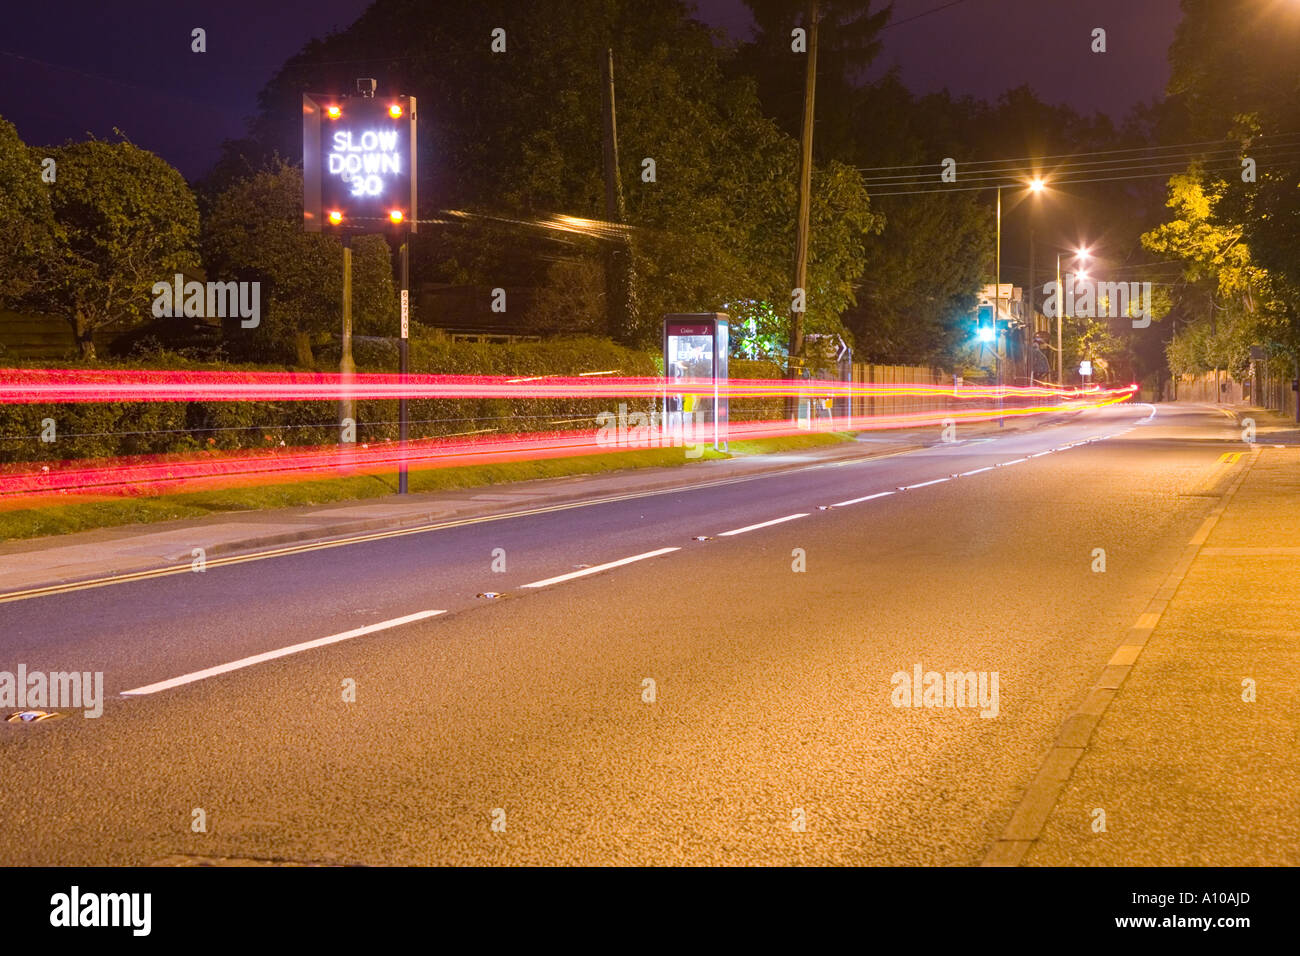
column 1270, row 427
column 1193, row 761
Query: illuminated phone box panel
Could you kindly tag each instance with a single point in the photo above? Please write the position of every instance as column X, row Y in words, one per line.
column 695, row 350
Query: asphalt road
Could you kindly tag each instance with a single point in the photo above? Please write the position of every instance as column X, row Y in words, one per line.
column 519, row 729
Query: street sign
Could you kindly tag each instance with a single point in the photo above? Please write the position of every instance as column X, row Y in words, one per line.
column 1085, row 367
column 358, row 177
column 359, row 168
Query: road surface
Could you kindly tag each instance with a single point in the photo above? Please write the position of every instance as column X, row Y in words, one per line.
column 704, row 703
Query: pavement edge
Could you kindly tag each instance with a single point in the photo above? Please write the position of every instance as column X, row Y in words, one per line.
column 1036, row 806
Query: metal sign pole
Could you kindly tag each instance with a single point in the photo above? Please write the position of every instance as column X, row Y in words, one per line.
column 404, row 352
column 347, row 368
column 715, row 385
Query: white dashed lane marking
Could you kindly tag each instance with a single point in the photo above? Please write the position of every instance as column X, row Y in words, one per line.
column 599, row 567
column 854, row 501
column 282, row 652
column 762, row 524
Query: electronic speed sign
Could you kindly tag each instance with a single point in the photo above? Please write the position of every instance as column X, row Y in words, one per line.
column 358, row 156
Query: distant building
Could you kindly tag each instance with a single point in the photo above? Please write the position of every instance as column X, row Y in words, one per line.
column 1015, row 316
column 1010, row 302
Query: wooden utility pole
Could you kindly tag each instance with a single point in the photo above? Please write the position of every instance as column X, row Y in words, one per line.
column 613, row 184
column 805, row 188
column 618, row 255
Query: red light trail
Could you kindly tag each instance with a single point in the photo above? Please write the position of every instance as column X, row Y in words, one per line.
column 30, row 485
column 32, row 386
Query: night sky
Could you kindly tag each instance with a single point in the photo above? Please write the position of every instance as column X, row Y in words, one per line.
column 68, row 67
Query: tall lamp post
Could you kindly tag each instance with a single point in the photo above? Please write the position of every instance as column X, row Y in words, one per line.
column 1082, row 255
column 1060, row 312
column 1036, row 185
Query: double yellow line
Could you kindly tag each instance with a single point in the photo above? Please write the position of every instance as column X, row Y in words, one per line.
column 186, row 567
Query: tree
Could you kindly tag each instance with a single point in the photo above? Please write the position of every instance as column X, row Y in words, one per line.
column 376, row 307
column 721, row 228
column 126, row 220
column 1227, row 298
column 255, row 233
column 848, row 41
column 26, row 219
column 518, row 139
column 936, row 249
column 569, row 300
column 1233, row 81
column 917, row 292
column 1212, row 250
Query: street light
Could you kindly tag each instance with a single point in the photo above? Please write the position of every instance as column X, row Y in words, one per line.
column 1083, row 254
column 1035, row 184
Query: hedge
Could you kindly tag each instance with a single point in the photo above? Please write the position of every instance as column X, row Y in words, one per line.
column 94, row 430
column 755, row 409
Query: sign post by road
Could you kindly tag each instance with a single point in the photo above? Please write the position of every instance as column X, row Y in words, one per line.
column 359, row 176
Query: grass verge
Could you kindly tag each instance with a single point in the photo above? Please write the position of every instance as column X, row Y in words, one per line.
column 114, row 512
column 769, row 446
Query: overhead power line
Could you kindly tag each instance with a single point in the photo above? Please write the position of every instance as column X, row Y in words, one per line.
column 1063, row 179
column 931, row 171
column 1033, row 162
column 923, row 13
column 1054, row 182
